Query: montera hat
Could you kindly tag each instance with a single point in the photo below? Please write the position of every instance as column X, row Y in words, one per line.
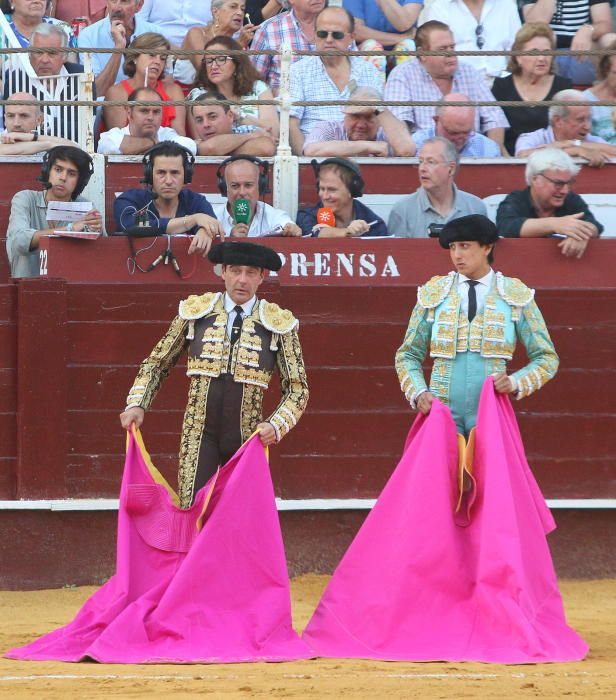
column 473, row 227
column 240, row 253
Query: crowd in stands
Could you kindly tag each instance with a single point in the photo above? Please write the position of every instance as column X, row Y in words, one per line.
column 144, row 31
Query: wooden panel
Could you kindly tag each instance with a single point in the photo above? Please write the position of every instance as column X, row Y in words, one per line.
column 41, row 421
column 479, row 178
column 396, row 262
column 50, row 550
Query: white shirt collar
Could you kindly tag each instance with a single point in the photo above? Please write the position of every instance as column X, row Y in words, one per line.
column 246, row 306
column 486, row 280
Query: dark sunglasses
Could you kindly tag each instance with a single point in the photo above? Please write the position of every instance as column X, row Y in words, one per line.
column 337, row 35
column 479, row 40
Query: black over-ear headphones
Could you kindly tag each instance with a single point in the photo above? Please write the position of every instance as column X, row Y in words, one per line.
column 75, row 155
column 171, row 149
column 263, row 166
column 357, row 181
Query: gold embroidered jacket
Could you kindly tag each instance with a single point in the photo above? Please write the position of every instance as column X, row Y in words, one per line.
column 437, row 324
column 268, row 339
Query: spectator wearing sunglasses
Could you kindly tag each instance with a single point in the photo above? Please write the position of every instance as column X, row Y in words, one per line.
column 479, row 25
column 430, row 78
column 548, row 206
column 569, row 130
column 327, row 77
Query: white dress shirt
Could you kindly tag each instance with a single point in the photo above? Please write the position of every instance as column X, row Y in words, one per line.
column 247, row 308
column 265, row 219
column 111, row 140
column 481, row 290
column 177, row 17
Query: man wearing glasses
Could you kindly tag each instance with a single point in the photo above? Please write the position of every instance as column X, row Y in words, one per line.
column 327, row 77
column 548, row 207
column 455, row 123
column 479, row 25
column 437, row 200
column 569, row 130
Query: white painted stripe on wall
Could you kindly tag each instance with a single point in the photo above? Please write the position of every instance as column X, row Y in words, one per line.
column 100, row 504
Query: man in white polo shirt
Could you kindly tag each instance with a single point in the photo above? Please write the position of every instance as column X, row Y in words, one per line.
column 242, row 180
column 144, row 129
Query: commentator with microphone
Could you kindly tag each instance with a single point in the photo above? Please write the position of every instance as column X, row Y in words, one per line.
column 166, row 205
column 339, row 212
column 243, row 180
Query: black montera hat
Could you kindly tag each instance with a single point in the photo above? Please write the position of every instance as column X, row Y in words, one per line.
column 240, row 253
column 473, row 227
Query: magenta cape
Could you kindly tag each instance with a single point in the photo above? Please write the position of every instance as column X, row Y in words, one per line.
column 415, row 586
column 184, row 595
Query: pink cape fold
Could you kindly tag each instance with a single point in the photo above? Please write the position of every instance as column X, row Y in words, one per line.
column 415, row 586
column 181, row 595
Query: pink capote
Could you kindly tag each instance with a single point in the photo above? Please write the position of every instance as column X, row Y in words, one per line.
column 181, row 595
column 415, row 586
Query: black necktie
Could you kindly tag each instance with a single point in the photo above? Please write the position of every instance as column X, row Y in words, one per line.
column 237, row 324
column 472, row 299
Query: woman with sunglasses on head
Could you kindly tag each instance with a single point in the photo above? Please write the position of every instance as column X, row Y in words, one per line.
column 237, row 79
column 146, row 70
column 227, row 20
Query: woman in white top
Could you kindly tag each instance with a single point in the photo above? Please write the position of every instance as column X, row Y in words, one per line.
column 237, row 79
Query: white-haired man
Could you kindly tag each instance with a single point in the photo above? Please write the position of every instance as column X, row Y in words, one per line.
column 548, row 207
column 52, row 82
column 364, row 131
column 569, row 130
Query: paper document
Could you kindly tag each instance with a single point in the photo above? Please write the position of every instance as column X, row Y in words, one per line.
column 67, row 211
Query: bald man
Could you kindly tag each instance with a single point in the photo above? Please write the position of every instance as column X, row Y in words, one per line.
column 457, row 124
column 21, row 135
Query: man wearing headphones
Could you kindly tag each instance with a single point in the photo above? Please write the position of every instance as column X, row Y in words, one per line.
column 166, row 203
column 243, row 179
column 338, row 212
column 65, row 173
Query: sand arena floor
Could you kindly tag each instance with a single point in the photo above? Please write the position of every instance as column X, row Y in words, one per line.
column 591, row 609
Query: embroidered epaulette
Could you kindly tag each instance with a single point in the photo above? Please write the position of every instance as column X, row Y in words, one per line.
column 513, row 290
column 197, row 305
column 435, row 290
column 275, row 319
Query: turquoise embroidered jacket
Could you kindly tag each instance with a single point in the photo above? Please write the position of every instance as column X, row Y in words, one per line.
column 437, row 325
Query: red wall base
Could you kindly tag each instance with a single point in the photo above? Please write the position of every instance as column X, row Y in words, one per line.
column 41, row 549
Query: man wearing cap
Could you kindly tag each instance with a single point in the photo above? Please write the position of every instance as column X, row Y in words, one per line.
column 469, row 321
column 366, row 130
column 233, row 340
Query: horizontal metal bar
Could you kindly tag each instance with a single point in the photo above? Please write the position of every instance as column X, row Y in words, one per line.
column 310, row 504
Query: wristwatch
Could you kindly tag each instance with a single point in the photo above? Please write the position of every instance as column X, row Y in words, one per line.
column 576, row 142
column 379, row 109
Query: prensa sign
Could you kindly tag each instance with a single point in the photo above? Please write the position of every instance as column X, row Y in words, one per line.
column 337, row 265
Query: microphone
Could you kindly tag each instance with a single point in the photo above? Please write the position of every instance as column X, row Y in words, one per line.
column 241, row 211
column 325, row 217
